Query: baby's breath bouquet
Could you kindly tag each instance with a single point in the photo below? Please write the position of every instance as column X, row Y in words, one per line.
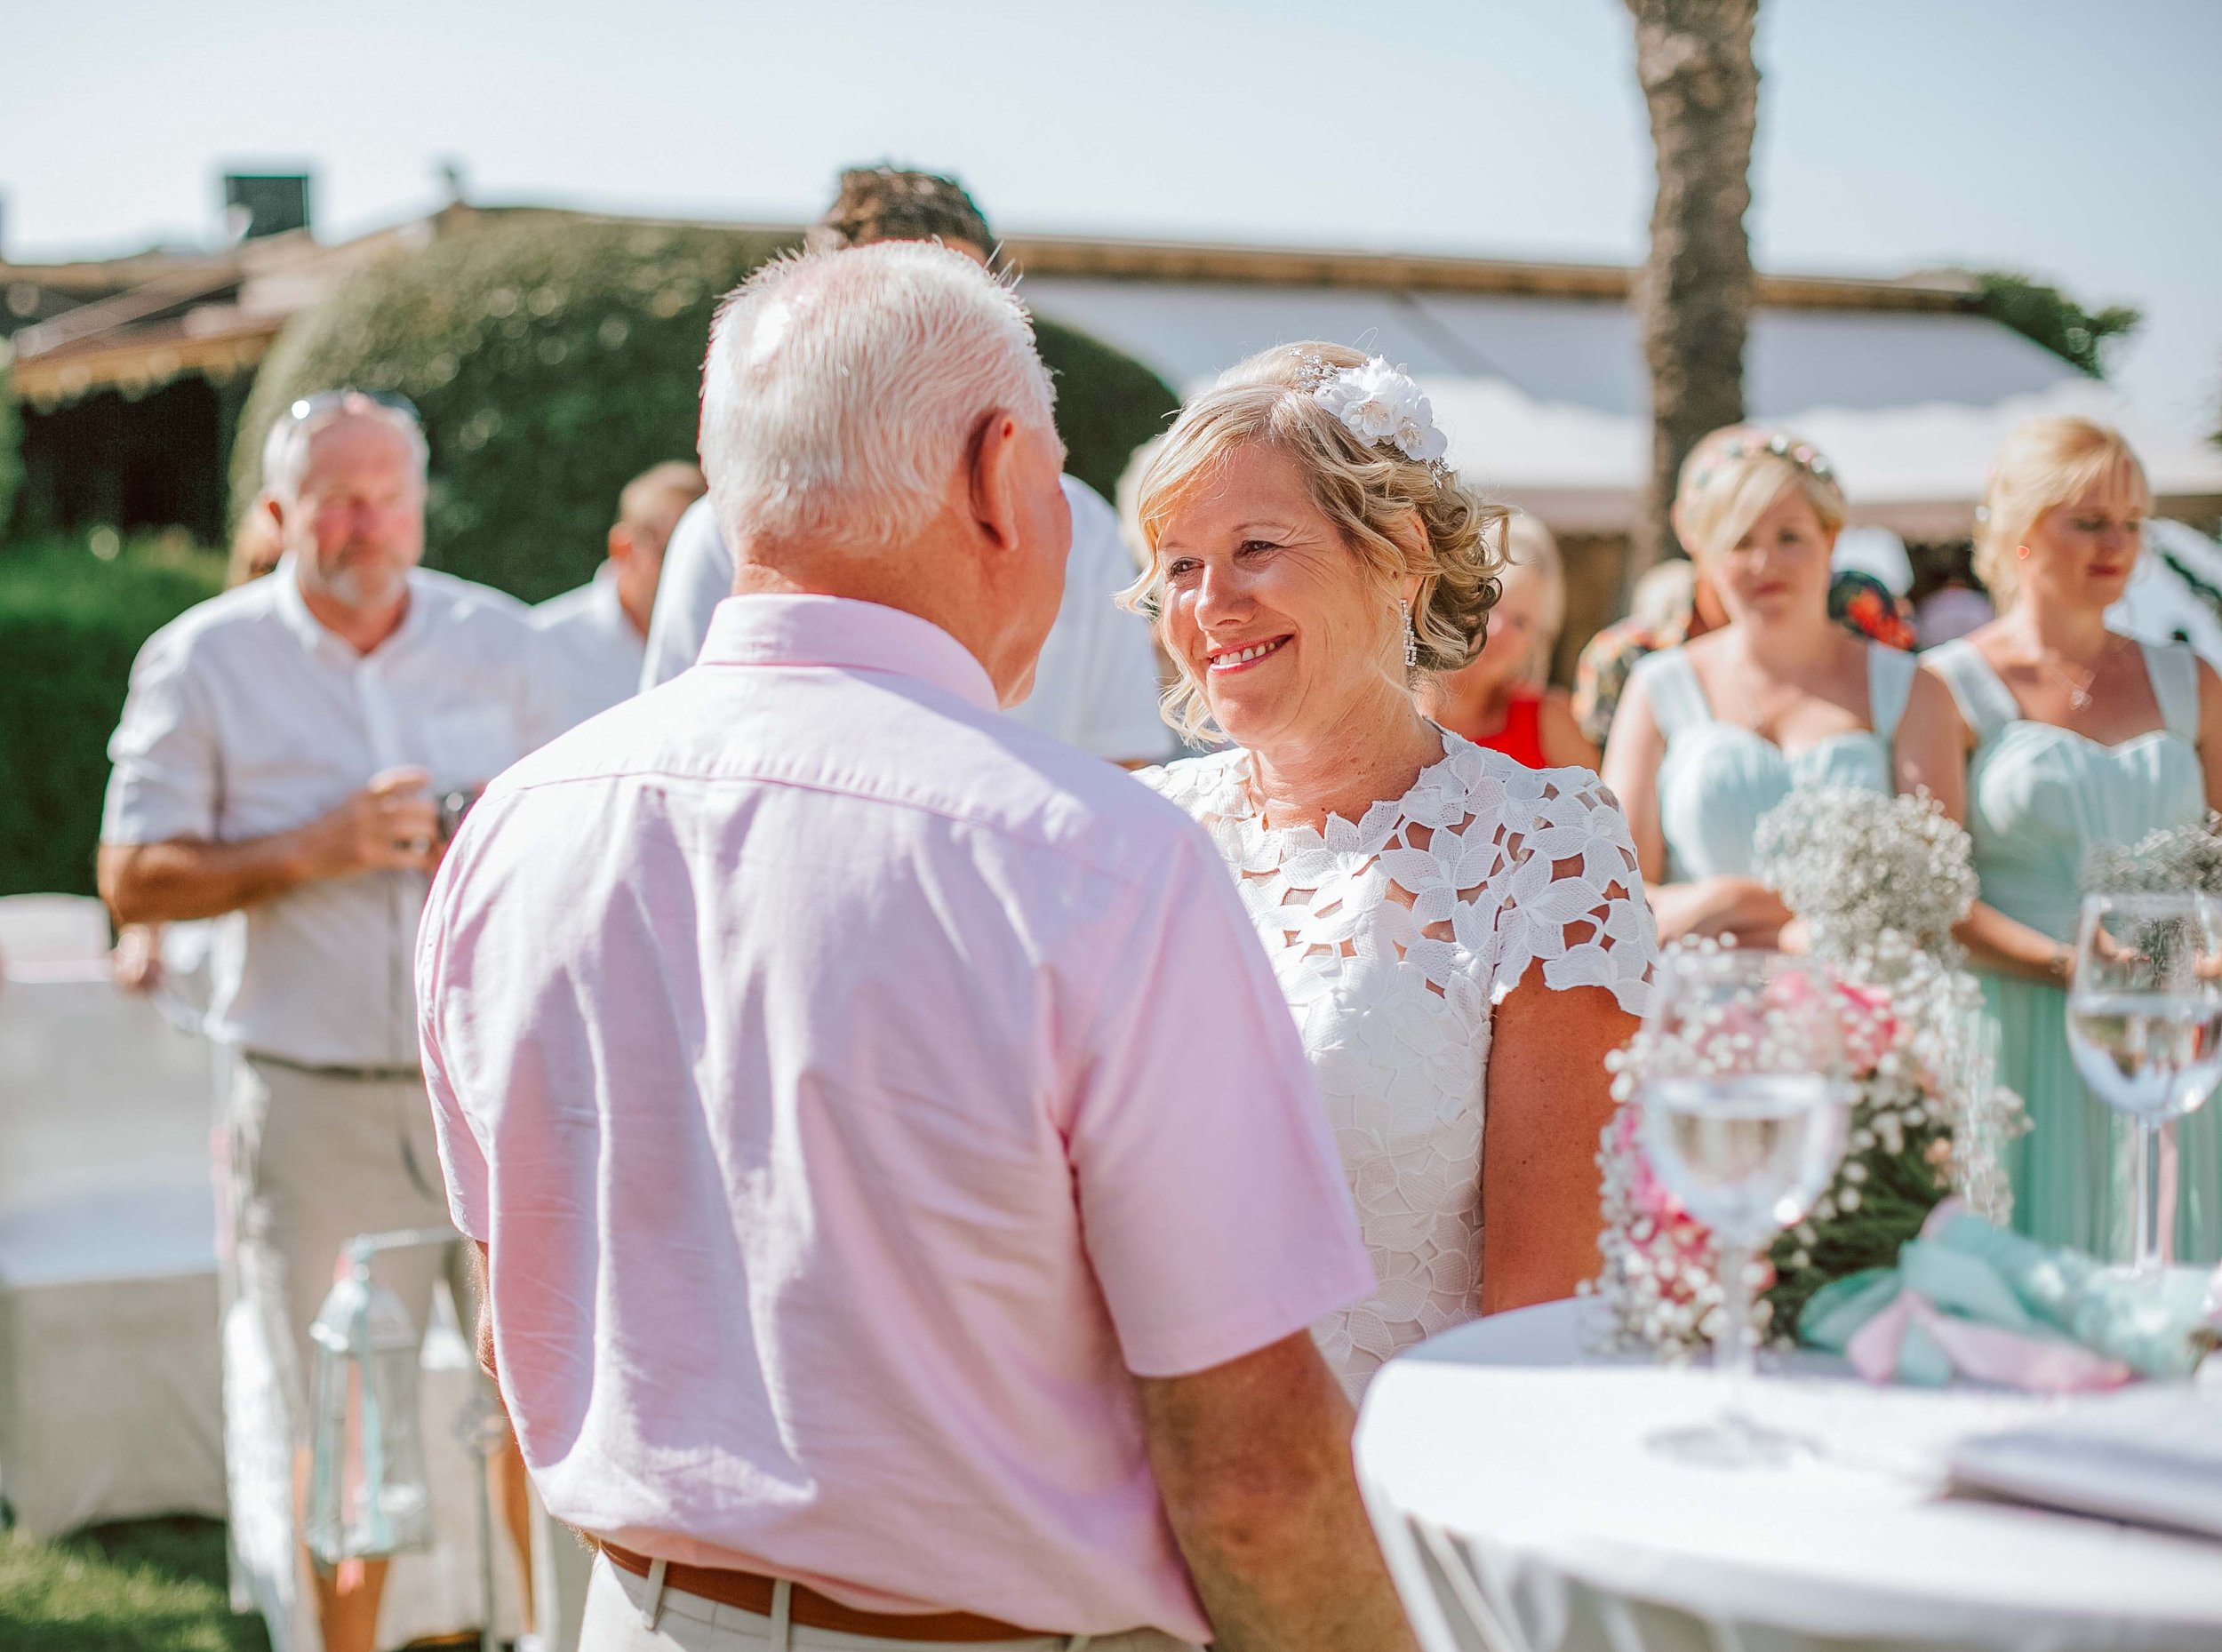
column 2170, row 858
column 1877, row 883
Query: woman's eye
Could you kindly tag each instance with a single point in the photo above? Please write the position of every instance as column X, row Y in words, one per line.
column 1251, row 548
column 1180, row 568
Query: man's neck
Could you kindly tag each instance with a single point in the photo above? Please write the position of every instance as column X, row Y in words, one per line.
column 362, row 629
column 942, row 603
column 637, row 607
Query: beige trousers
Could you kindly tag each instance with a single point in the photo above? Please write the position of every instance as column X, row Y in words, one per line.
column 316, row 1159
column 624, row 1614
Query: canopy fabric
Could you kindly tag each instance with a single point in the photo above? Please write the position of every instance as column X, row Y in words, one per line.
column 1544, row 398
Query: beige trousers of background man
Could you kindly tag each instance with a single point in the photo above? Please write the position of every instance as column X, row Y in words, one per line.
column 623, row 1615
column 316, row 1159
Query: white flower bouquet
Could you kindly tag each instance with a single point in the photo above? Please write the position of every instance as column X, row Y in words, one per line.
column 1878, row 883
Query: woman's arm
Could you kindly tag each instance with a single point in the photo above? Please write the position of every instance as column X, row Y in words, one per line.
column 1934, row 744
column 2211, row 732
column 1931, row 746
column 1564, row 745
column 1549, row 1098
column 1743, row 908
column 1633, row 754
column 2008, row 947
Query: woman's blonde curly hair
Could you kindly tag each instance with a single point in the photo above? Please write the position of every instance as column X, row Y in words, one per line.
column 1373, row 494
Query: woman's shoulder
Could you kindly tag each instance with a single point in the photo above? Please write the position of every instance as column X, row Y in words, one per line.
column 1481, row 780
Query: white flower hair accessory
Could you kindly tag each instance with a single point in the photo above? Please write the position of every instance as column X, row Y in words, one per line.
column 1380, row 403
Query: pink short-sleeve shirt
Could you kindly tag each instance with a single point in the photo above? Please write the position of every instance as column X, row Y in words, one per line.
column 856, row 1089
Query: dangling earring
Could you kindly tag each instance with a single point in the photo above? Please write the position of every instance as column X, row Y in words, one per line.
column 1412, row 639
column 2022, row 551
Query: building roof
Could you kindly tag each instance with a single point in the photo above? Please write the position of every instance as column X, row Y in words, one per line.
column 1535, row 368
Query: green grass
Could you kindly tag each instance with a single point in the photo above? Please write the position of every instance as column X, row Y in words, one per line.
column 142, row 1586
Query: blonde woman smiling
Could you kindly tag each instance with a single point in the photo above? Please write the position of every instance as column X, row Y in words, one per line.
column 1712, row 735
column 2072, row 735
column 1462, row 938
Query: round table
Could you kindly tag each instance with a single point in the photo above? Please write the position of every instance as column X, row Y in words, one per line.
column 1521, row 1511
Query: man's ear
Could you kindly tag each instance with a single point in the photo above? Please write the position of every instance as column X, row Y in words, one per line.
column 994, row 480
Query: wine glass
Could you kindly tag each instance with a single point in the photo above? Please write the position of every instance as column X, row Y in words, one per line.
column 2145, row 1025
column 1745, row 1102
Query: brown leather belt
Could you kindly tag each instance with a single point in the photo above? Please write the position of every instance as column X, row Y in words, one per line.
column 806, row 1607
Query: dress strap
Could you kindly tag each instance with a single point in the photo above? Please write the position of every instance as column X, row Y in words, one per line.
column 1889, row 685
column 2174, row 671
column 1677, row 696
column 1987, row 703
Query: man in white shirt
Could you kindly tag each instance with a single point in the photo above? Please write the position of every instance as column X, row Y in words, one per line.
column 299, row 749
column 599, row 632
column 1096, row 686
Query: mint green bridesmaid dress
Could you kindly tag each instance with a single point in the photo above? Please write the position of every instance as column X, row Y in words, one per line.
column 1718, row 779
column 2038, row 797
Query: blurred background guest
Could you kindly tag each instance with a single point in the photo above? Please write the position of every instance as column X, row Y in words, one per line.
column 277, row 757
column 599, row 633
column 2071, row 735
column 1097, row 684
column 1502, row 699
column 149, row 957
column 1668, row 607
column 1953, row 604
column 1672, row 604
column 1712, row 735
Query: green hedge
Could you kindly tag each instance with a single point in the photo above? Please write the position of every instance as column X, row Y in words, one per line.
column 10, row 438
column 70, row 625
column 554, row 358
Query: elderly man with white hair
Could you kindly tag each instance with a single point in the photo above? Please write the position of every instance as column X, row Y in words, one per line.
column 903, row 1194
column 282, row 753
column 1096, row 685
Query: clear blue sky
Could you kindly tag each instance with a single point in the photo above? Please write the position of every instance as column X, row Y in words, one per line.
column 2081, row 142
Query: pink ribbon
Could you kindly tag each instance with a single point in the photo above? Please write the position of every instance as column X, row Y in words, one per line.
column 2042, row 1365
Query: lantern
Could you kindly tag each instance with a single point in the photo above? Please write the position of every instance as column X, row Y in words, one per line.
column 367, row 1495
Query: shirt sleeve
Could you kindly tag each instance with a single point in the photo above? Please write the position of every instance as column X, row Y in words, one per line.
column 1212, row 1202
column 1117, row 717
column 165, row 778
column 462, row 1154
column 698, row 575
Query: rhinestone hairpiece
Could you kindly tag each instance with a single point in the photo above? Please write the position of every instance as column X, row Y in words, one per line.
column 1804, row 455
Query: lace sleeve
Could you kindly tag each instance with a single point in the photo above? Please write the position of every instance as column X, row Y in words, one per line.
column 1573, row 897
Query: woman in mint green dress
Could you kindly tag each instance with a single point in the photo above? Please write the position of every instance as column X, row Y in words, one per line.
column 2072, row 735
column 1712, row 735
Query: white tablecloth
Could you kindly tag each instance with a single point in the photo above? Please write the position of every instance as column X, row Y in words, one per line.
column 1499, row 1463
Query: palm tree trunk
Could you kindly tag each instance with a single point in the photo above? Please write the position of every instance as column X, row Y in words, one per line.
column 1694, row 296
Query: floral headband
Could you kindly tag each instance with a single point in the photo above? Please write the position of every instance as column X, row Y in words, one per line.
column 1378, row 404
column 1804, row 455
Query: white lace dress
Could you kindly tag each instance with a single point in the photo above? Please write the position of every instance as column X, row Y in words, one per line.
column 1394, row 938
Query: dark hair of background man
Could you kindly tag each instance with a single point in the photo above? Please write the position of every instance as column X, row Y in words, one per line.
column 888, row 204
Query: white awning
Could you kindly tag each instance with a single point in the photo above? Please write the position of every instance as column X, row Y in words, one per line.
column 1544, row 399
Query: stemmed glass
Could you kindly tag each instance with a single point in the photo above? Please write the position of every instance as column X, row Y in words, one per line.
column 1745, row 1102
column 2145, row 1025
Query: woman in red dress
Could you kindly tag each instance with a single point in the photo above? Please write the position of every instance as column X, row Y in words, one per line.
column 1499, row 700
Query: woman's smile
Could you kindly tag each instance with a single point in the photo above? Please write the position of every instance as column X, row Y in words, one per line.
column 1228, row 656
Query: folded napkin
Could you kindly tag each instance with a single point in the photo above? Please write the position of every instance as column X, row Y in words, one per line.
column 1967, row 1299
column 2154, row 1457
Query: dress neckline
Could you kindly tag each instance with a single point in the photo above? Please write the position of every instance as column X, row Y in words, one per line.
column 2010, row 703
column 1878, row 694
column 1435, row 797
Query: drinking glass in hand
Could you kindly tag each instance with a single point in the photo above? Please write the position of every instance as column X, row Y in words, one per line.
column 1745, row 1104
column 2145, row 1023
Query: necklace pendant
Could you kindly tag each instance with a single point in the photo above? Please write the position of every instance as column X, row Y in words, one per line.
column 2079, row 699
